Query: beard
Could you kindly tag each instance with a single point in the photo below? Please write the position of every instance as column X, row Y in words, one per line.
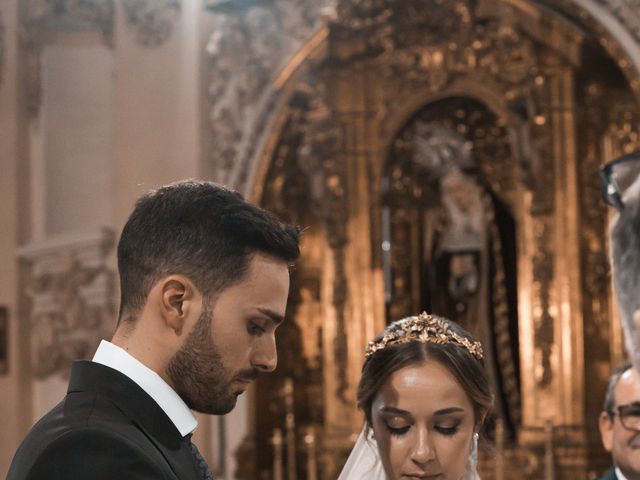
column 198, row 374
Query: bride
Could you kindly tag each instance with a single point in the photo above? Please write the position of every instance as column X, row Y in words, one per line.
column 424, row 395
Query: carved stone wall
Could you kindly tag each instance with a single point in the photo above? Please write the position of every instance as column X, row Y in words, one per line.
column 71, row 295
column 41, row 17
column 69, row 14
column 152, row 20
column 249, row 43
column 627, row 12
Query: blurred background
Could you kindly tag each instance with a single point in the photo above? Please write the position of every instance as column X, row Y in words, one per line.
column 442, row 154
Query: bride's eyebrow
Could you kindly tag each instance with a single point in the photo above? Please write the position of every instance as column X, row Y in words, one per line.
column 446, row 411
column 394, row 410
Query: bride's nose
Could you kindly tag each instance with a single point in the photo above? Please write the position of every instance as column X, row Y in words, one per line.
column 423, row 450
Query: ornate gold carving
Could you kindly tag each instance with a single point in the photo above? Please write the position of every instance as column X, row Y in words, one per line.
column 454, row 134
column 153, row 20
column 629, row 18
column 71, row 290
column 543, row 275
column 623, row 128
column 520, row 64
column 415, row 49
column 320, row 158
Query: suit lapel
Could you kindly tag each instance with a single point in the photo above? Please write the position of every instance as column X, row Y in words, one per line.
column 177, row 455
column 141, row 409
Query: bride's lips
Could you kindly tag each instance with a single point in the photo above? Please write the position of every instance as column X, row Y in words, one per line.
column 423, row 476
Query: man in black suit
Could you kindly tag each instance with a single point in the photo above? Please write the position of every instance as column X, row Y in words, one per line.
column 204, row 283
column 620, row 424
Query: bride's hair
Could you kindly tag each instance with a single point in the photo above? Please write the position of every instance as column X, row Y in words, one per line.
column 468, row 370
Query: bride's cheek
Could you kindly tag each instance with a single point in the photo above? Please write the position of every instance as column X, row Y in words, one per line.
column 455, row 463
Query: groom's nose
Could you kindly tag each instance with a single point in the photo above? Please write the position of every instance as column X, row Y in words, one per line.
column 265, row 356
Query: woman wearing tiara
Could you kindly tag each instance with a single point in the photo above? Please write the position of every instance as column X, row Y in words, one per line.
column 425, row 395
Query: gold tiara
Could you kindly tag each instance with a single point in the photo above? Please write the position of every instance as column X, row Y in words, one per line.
column 425, row 329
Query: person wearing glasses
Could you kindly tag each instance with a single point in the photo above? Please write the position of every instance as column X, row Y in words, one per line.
column 621, row 189
column 620, row 423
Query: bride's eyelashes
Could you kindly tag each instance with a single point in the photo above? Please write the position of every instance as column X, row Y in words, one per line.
column 398, row 431
column 441, row 429
column 448, row 431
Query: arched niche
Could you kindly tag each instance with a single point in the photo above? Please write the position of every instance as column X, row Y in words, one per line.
column 344, row 102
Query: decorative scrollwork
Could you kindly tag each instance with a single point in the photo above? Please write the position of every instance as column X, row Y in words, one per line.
column 543, row 276
column 620, row 125
column 72, row 306
column 627, row 12
column 38, row 17
column 430, row 23
column 320, row 158
column 504, row 52
column 70, row 15
column 152, row 19
column 246, row 49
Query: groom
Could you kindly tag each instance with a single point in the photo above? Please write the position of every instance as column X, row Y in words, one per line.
column 204, row 283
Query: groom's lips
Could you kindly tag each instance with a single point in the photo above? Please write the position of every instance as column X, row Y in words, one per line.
column 247, row 377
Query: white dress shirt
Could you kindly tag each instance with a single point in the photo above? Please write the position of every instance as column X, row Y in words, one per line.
column 619, row 474
column 169, row 401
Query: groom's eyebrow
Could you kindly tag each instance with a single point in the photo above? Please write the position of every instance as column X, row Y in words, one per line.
column 275, row 317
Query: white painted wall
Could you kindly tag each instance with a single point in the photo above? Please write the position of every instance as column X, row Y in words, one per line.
column 13, row 389
column 77, row 118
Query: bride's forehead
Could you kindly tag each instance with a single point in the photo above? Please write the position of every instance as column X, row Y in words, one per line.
column 426, row 383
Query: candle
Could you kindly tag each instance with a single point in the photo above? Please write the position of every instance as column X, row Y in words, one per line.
column 276, row 441
column 310, row 444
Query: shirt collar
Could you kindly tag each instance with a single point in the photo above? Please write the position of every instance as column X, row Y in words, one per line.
column 167, row 399
column 619, row 474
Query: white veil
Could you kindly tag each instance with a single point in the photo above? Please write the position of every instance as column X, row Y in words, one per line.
column 364, row 462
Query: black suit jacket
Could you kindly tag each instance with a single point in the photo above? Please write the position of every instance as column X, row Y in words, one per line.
column 106, row 428
column 611, row 475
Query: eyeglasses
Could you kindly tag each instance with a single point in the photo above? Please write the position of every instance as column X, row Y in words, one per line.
column 617, row 176
column 629, row 415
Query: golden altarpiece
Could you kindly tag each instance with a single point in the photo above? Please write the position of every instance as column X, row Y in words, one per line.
column 446, row 159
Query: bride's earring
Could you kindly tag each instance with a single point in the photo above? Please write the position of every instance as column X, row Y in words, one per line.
column 472, row 465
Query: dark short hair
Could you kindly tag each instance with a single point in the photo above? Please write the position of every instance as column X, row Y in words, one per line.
column 199, row 229
column 610, row 396
column 468, row 371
